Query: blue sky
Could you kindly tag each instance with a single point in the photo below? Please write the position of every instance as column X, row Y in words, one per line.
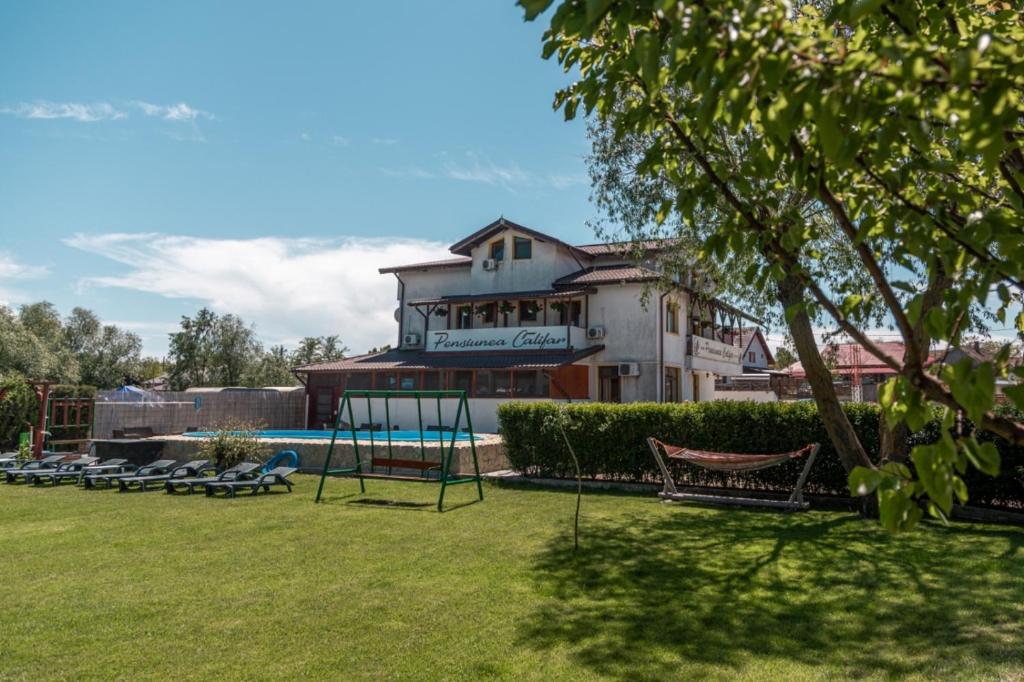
column 265, row 158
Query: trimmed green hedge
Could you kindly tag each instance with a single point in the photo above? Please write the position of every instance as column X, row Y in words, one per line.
column 609, row 440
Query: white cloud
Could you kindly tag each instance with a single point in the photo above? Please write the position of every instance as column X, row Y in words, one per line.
column 11, row 271
column 305, row 137
column 173, row 112
column 475, row 169
column 410, row 172
column 510, row 176
column 340, row 141
column 288, row 287
column 388, row 141
column 85, row 113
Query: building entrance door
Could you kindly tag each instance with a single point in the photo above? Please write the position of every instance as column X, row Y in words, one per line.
column 609, row 386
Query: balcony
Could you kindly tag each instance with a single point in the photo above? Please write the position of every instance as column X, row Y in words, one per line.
column 711, row 355
column 506, row 339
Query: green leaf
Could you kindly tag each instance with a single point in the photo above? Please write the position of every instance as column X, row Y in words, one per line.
column 864, row 481
column 534, row 8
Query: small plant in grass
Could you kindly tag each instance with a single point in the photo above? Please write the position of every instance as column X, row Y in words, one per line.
column 234, row 442
column 24, row 450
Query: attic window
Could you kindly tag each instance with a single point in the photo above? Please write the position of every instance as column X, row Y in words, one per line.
column 498, row 250
column 522, row 248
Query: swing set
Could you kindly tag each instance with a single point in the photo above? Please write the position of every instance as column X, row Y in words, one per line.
column 425, row 470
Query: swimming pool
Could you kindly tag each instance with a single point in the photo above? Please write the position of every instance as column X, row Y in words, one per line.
column 396, row 436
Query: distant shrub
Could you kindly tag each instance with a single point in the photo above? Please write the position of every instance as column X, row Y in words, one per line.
column 609, row 440
column 232, row 443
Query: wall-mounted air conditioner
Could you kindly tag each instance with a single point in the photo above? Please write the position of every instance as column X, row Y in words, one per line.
column 595, row 332
column 629, row 369
column 411, row 340
column 490, row 264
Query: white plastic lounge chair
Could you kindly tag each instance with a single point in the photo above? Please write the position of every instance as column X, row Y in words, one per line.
column 188, row 485
column 277, row 476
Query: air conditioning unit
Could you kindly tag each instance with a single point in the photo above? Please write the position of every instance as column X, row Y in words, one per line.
column 490, row 264
column 629, row 369
column 411, row 340
column 595, row 332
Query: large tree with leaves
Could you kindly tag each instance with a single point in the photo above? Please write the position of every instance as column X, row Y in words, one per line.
column 902, row 120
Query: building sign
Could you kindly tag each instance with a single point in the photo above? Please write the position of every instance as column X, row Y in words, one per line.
column 501, row 339
column 709, row 349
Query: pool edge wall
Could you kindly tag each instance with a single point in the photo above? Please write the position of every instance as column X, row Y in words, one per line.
column 490, row 450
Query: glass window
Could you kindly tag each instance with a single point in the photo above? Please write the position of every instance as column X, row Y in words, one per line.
column 487, row 312
column 502, row 383
column 407, row 382
column 498, row 250
column 359, row 381
column 462, row 380
column 431, row 381
column 464, row 317
column 672, row 317
column 484, row 383
column 523, row 248
column 530, row 384
column 569, row 313
column 387, row 381
column 528, row 311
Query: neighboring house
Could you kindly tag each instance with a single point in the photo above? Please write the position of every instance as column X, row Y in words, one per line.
column 756, row 381
column 857, row 372
column 519, row 314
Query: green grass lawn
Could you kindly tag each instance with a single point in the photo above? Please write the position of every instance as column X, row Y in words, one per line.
column 144, row 585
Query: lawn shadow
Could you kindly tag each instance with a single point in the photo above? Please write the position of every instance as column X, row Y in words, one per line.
column 713, row 588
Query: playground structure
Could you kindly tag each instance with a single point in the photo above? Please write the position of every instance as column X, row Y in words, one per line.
column 429, row 470
column 69, row 422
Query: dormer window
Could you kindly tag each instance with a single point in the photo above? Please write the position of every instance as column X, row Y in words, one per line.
column 498, row 250
column 522, row 248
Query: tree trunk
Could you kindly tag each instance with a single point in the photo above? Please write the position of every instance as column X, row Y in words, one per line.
column 838, row 426
column 892, row 442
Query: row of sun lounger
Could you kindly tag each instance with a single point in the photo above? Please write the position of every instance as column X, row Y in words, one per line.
column 164, row 474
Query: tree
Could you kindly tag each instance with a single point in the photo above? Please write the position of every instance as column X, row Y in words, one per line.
column 211, row 350
column 272, row 369
column 107, row 356
column 313, row 349
column 784, row 357
column 901, row 121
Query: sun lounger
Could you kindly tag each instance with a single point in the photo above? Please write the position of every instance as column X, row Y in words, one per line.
column 108, row 478
column 70, row 471
column 115, row 465
column 188, row 485
column 188, row 470
column 278, row 476
column 51, row 462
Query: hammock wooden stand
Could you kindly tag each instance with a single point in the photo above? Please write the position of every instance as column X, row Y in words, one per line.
column 727, row 461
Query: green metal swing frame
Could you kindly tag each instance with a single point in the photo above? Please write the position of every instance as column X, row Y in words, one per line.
column 446, row 450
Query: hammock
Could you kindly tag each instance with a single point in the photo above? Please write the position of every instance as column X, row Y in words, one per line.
column 731, row 462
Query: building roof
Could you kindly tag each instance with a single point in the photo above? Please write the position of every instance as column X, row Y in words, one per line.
column 609, row 274
column 460, row 262
column 503, row 295
column 396, row 359
column 464, row 246
column 624, row 248
column 844, row 357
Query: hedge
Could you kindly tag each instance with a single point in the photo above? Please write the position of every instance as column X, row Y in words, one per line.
column 609, row 440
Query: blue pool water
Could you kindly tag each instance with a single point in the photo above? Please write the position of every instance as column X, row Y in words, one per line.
column 429, row 436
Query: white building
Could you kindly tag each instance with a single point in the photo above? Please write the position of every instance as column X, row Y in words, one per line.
column 518, row 314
